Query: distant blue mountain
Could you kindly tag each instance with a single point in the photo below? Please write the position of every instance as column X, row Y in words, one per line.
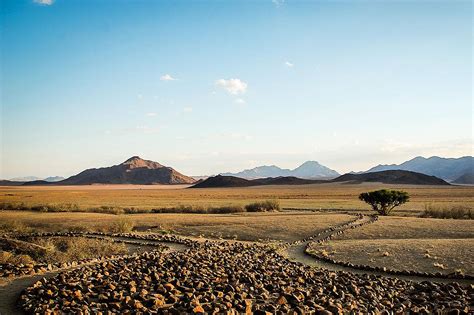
column 34, row 178
column 307, row 170
column 449, row 169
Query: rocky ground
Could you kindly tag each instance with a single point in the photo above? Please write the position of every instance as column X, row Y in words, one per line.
column 232, row 277
column 220, row 277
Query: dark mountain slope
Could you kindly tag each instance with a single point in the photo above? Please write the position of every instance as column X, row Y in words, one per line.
column 223, row 181
column 392, row 177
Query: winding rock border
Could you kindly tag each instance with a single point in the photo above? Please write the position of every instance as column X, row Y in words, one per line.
column 14, row 270
column 373, row 219
column 226, row 277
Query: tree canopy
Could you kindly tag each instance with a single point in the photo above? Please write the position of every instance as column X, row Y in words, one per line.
column 383, row 201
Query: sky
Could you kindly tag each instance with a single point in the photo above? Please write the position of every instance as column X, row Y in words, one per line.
column 218, row 86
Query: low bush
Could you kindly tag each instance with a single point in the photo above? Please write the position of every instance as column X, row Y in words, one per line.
column 14, row 226
column 263, row 206
column 268, row 205
column 122, row 225
column 200, row 209
column 10, row 258
column 106, row 209
column 453, row 212
column 13, row 206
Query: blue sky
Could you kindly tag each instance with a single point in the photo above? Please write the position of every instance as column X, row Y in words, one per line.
column 215, row 86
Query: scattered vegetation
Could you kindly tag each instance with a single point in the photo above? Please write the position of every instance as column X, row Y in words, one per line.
column 446, row 212
column 263, row 206
column 383, row 201
column 10, row 258
column 59, row 249
column 15, row 226
column 268, row 205
column 200, row 209
column 137, row 199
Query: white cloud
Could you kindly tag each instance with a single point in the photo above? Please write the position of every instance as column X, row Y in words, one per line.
column 233, row 86
column 44, row 2
column 151, row 114
column 187, row 109
column 240, row 101
column 278, row 3
column 167, row 77
column 289, row 64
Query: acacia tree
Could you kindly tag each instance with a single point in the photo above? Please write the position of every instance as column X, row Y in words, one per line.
column 383, row 201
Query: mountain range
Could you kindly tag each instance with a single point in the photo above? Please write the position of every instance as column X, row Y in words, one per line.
column 307, row 170
column 139, row 171
column 34, row 178
column 385, row 177
column 449, row 169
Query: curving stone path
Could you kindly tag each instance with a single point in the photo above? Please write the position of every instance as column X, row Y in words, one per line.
column 298, row 252
column 227, row 276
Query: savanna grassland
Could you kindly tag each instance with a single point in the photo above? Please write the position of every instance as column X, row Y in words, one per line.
column 82, row 221
column 311, row 197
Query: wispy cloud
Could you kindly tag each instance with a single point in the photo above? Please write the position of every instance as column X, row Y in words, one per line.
column 289, row 64
column 187, row 109
column 44, row 2
column 240, row 101
column 278, row 3
column 233, row 86
column 167, row 77
column 151, row 114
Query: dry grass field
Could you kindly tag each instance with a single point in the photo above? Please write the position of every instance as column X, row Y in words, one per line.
column 412, row 228
column 404, row 243
column 246, row 226
column 427, row 255
column 404, row 236
column 322, row 196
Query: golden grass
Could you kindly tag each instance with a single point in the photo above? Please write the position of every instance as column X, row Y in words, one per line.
column 59, row 249
column 425, row 255
column 246, row 226
column 325, row 196
column 412, row 228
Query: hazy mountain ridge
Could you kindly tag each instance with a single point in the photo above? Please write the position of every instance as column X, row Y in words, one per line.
column 307, row 170
column 465, row 179
column 35, row 178
column 448, row 169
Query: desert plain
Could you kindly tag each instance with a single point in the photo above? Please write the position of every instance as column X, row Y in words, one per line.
column 321, row 233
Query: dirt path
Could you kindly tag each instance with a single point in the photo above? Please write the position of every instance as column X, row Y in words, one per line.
column 11, row 290
column 297, row 253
